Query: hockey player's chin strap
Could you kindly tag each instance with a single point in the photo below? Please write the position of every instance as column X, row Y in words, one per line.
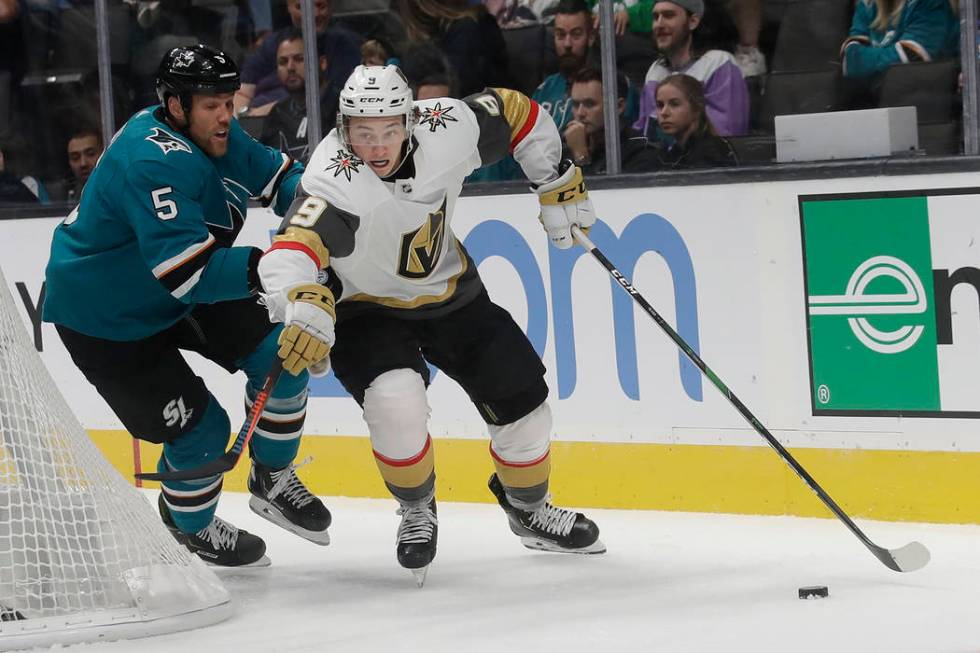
column 171, row 121
column 407, row 148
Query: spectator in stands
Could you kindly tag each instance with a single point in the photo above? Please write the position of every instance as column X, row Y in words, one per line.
column 466, row 33
column 584, row 136
column 747, row 15
column 260, row 81
column 12, row 56
column 9, row 11
column 575, row 46
column 634, row 16
column 285, row 126
column 725, row 90
column 14, row 61
column 691, row 139
column 13, row 189
column 510, row 14
column 376, row 52
column 16, row 149
column 84, row 149
column 429, row 72
column 11, row 42
column 888, row 32
column 621, row 14
column 575, row 37
column 260, row 13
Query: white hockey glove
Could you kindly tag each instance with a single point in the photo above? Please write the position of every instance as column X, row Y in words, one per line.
column 308, row 335
column 565, row 202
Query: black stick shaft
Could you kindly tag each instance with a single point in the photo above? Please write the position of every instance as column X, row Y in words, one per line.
column 734, row 400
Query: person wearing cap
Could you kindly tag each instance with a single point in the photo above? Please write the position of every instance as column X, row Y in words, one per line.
column 146, row 268
column 634, row 16
column 726, row 94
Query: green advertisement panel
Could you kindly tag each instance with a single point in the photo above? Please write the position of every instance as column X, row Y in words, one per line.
column 870, row 305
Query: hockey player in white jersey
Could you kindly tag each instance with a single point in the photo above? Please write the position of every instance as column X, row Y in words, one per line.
column 401, row 290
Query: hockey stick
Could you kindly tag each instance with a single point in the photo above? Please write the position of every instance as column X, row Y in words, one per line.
column 910, row 557
column 227, row 461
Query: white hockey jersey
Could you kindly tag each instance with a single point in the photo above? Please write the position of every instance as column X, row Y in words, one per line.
column 389, row 243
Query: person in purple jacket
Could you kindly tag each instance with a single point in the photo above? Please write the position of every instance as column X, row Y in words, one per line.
column 725, row 91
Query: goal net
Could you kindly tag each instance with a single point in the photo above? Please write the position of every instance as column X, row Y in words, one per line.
column 83, row 555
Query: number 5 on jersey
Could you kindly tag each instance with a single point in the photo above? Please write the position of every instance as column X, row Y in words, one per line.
column 166, row 209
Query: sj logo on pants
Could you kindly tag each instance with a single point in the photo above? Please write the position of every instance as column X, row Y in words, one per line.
column 176, row 411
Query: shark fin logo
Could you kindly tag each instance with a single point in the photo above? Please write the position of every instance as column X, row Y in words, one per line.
column 167, row 142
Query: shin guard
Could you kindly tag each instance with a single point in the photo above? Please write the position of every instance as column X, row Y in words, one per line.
column 397, row 414
column 520, row 452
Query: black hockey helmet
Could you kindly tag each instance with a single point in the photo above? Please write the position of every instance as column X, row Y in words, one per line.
column 195, row 69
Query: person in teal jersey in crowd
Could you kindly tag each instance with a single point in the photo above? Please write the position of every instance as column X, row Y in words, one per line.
column 145, row 267
column 888, row 32
column 576, row 46
column 574, row 40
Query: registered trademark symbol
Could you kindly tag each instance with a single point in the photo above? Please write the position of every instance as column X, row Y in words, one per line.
column 823, row 394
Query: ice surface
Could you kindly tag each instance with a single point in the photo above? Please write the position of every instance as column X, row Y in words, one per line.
column 669, row 582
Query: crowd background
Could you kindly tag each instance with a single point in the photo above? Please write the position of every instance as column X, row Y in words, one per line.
column 737, row 64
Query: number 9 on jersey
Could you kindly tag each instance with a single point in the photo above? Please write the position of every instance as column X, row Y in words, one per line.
column 309, row 212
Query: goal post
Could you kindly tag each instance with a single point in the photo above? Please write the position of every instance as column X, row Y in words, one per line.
column 83, row 555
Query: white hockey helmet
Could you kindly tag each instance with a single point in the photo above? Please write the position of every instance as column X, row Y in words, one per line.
column 375, row 91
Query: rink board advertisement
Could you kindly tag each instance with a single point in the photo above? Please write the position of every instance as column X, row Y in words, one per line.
column 778, row 286
column 881, row 273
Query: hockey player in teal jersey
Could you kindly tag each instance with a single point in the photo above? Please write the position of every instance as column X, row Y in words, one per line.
column 145, row 267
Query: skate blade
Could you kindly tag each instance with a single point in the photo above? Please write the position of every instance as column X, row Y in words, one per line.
column 420, row 575
column 536, row 544
column 266, row 510
column 264, row 561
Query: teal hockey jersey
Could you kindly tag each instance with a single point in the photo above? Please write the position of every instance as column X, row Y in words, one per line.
column 924, row 30
column 153, row 233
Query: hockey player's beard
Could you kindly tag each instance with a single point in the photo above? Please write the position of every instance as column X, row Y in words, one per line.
column 569, row 64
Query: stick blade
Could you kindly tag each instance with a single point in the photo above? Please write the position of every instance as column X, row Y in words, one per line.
column 217, row 466
column 911, row 557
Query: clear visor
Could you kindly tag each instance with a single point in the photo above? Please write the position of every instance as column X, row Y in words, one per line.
column 368, row 134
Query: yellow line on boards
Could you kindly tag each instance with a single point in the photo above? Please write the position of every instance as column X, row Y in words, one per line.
column 887, row 485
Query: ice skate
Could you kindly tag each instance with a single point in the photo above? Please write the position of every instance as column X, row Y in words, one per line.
column 280, row 497
column 416, row 539
column 550, row 528
column 219, row 543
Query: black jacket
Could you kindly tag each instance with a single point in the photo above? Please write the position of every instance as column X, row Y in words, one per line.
column 13, row 190
column 702, row 150
column 478, row 53
column 285, row 126
column 635, row 154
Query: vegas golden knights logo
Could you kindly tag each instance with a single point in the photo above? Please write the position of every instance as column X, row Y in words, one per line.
column 420, row 249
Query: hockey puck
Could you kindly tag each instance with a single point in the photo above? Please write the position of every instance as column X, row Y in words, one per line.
column 814, row 592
